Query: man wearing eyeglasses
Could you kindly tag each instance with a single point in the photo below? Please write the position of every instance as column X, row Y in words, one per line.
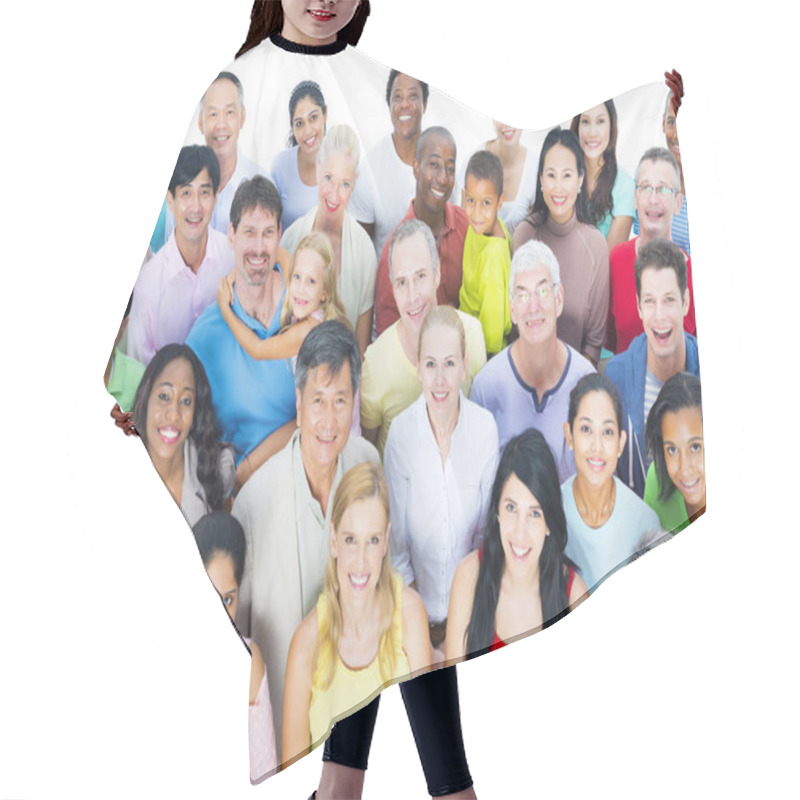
column 657, row 199
column 527, row 385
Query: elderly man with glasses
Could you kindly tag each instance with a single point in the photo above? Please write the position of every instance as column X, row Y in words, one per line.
column 527, row 385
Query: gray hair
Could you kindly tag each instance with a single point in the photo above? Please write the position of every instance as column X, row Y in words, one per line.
column 407, row 229
column 656, row 154
column 533, row 254
column 340, row 139
column 330, row 344
column 226, row 76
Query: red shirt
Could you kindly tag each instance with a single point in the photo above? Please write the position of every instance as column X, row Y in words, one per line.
column 451, row 256
column 624, row 324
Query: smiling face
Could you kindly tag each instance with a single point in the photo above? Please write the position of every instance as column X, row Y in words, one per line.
column 481, row 203
column 595, row 438
column 560, row 182
column 522, row 527
column 414, row 281
column 506, row 134
column 170, row 410
column 336, row 179
column 536, row 305
column 662, row 309
column 594, row 132
column 221, row 118
column 435, row 172
column 406, row 106
column 441, row 369
column 255, row 245
column 308, row 125
column 359, row 546
column 307, row 284
column 656, row 209
column 221, row 571
column 191, row 206
column 684, row 454
column 324, row 415
column 315, row 22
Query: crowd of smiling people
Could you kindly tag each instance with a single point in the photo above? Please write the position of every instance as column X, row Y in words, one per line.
column 442, row 399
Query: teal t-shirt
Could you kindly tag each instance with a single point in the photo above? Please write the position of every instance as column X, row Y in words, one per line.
column 622, row 198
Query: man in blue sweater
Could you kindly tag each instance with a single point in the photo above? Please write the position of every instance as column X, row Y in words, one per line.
column 654, row 356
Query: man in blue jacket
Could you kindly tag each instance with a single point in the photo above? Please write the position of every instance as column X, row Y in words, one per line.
column 654, row 356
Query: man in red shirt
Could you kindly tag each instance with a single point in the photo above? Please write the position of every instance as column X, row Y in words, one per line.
column 657, row 199
column 434, row 170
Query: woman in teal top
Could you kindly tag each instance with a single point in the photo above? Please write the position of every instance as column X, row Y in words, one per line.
column 609, row 188
column 674, row 434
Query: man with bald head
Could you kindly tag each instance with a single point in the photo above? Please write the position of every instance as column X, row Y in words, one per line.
column 434, row 171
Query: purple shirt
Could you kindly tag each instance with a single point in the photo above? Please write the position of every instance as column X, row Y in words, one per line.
column 169, row 297
column 516, row 407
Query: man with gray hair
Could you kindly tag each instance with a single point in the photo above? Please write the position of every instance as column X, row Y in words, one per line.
column 285, row 507
column 658, row 199
column 434, row 172
column 390, row 382
column 220, row 119
column 527, row 385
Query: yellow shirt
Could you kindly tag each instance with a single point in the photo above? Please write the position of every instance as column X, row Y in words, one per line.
column 484, row 285
column 389, row 381
column 352, row 689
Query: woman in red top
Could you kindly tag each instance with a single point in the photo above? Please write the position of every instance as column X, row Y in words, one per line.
column 520, row 582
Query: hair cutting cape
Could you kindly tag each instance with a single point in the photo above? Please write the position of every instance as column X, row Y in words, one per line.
column 354, row 88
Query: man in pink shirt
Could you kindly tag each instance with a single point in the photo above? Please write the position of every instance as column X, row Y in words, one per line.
column 657, row 199
column 434, row 170
column 180, row 281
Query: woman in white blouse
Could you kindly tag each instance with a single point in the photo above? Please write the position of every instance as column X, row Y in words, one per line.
column 440, row 460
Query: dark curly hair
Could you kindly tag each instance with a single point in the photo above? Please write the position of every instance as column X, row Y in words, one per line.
column 266, row 19
column 568, row 139
column 528, row 456
column 204, row 433
column 601, row 202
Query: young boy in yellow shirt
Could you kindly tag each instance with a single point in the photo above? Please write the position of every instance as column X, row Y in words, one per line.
column 487, row 251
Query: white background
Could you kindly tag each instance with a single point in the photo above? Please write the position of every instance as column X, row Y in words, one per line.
column 120, row 676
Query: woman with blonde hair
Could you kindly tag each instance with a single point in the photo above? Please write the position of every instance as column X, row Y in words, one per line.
column 367, row 630
column 354, row 255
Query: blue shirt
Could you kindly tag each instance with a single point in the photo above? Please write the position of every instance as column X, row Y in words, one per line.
column 252, row 398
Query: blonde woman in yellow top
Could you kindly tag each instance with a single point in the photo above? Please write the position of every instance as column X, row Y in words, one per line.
column 367, row 629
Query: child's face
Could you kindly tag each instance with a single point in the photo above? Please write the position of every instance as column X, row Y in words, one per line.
column 307, row 289
column 481, row 204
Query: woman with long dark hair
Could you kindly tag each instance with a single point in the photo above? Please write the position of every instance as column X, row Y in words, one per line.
column 176, row 421
column 676, row 481
column 520, row 581
column 560, row 218
column 609, row 188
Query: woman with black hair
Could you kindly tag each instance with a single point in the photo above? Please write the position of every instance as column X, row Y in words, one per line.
column 178, row 425
column 676, row 481
column 294, row 170
column 519, row 582
column 560, row 218
column 606, row 521
column 609, row 188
